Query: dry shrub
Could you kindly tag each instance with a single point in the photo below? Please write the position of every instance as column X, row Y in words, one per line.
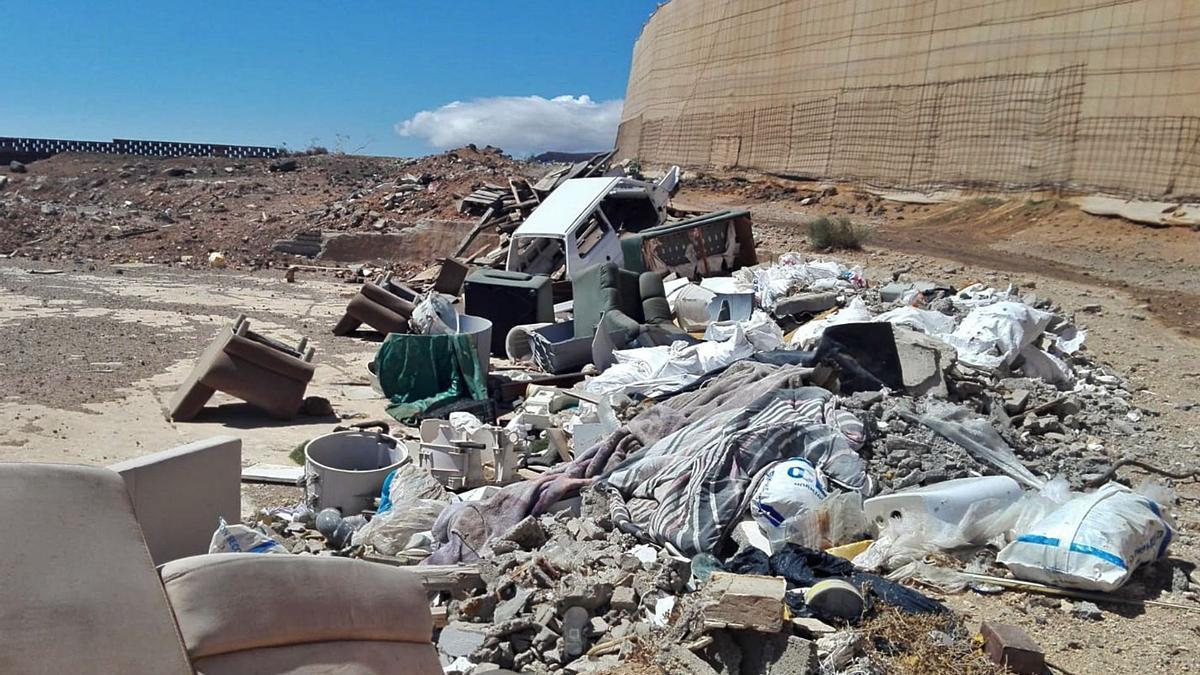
column 837, row 233
column 915, row 644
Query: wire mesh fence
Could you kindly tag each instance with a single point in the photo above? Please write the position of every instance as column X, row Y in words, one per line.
column 1001, row 94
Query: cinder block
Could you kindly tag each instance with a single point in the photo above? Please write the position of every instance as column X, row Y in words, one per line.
column 179, row 494
column 1009, row 646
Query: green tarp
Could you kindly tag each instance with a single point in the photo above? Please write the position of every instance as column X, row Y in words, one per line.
column 419, row 372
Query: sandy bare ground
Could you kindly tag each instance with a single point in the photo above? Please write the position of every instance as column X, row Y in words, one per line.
column 91, row 357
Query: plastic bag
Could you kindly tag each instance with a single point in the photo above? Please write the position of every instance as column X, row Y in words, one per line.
column 433, row 315
column 993, row 335
column 806, row 336
column 837, row 520
column 1093, row 542
column 408, row 482
column 987, row 521
column 389, row 533
column 924, row 320
column 788, row 488
column 759, row 329
column 238, row 538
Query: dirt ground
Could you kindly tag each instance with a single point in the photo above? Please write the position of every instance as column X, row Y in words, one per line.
column 92, row 353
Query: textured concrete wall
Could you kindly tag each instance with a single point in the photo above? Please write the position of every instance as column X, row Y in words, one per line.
column 1009, row 94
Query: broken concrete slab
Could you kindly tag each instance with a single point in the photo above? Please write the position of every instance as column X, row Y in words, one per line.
column 778, row 654
column 923, row 361
column 460, row 639
column 624, row 598
column 273, row 474
column 528, row 534
column 1016, row 401
column 681, row 660
column 745, row 601
column 811, row 628
column 513, row 607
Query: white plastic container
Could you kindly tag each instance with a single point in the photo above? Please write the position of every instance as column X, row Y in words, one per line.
column 481, row 330
column 345, row 469
column 947, row 501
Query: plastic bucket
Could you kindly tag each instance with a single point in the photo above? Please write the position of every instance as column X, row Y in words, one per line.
column 480, row 329
column 345, row 470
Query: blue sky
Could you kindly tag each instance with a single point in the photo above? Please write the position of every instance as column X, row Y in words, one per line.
column 290, row 72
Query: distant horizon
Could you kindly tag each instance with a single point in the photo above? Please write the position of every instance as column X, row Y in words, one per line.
column 384, row 80
column 290, row 151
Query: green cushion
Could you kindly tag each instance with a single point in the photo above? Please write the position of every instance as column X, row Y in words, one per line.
column 602, row 288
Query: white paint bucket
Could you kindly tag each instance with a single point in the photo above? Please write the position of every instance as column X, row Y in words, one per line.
column 345, row 469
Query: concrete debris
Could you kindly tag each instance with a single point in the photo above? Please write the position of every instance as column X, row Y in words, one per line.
column 744, row 601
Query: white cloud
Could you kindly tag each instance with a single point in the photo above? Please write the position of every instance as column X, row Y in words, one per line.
column 519, row 124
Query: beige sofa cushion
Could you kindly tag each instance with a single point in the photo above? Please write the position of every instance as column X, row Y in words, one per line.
column 230, row 602
column 78, row 592
column 326, row 658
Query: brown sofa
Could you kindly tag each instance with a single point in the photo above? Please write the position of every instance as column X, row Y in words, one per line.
column 81, row 595
column 386, row 307
column 267, row 374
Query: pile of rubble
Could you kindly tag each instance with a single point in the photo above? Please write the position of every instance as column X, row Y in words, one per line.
column 624, row 439
column 178, row 210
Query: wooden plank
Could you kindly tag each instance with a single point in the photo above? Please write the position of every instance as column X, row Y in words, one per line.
column 479, row 227
column 273, row 474
column 436, row 578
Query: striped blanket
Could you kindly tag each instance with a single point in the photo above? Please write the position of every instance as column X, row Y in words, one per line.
column 697, row 481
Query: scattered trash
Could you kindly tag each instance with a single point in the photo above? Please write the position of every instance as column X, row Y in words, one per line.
column 692, row 448
column 238, row 538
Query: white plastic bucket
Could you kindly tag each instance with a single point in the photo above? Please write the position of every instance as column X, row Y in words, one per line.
column 345, row 469
column 481, row 330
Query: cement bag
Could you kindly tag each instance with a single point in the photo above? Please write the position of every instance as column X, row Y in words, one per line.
column 239, row 538
column 992, row 336
column 788, row 488
column 1092, row 542
column 691, row 307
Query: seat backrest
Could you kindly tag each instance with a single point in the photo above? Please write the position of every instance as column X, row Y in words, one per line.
column 80, row 593
column 600, row 289
column 655, row 308
column 273, row 609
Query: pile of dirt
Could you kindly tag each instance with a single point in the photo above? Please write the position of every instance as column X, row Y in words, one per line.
column 76, row 207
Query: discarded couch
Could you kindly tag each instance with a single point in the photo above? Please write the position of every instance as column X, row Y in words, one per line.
column 629, row 307
column 82, row 595
column 385, row 306
column 263, row 372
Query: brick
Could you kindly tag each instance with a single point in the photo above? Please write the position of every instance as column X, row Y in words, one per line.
column 1009, row 646
column 744, row 600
